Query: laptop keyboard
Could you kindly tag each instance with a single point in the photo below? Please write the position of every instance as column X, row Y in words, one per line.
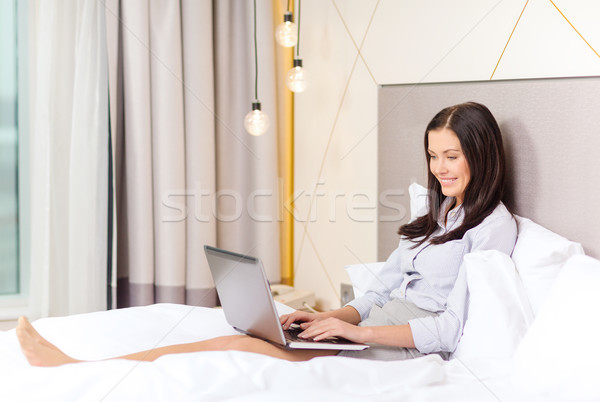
column 292, row 333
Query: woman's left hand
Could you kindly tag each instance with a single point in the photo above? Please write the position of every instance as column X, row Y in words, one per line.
column 319, row 330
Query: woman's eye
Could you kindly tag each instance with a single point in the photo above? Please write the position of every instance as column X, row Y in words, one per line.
column 432, row 157
column 452, row 157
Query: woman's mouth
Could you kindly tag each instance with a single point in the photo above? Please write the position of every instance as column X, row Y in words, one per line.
column 447, row 182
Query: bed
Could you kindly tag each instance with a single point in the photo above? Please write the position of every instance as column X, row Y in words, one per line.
column 212, row 375
column 532, row 329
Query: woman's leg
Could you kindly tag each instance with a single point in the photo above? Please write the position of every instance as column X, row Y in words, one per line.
column 40, row 352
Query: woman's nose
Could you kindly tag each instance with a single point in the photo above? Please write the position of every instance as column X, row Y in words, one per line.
column 439, row 167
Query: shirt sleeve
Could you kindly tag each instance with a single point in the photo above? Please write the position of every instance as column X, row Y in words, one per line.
column 390, row 277
column 442, row 333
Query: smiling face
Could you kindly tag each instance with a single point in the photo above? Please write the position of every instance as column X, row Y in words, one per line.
column 448, row 163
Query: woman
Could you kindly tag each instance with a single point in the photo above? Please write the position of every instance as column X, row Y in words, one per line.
column 424, row 307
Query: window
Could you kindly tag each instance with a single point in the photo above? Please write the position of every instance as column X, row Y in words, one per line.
column 9, row 223
column 13, row 159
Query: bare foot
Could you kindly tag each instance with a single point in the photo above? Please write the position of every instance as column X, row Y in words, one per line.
column 37, row 350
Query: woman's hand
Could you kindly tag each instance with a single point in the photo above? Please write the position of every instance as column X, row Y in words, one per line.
column 346, row 314
column 342, row 323
column 297, row 316
column 321, row 329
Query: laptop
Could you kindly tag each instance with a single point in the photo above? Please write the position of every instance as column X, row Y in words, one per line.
column 248, row 305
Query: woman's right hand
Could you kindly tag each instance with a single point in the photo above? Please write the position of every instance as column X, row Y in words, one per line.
column 298, row 316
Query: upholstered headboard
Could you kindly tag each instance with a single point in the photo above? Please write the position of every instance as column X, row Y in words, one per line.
column 551, row 131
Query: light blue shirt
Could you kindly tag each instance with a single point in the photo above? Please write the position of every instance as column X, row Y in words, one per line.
column 430, row 277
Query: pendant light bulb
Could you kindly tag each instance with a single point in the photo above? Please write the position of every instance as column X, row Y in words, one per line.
column 286, row 33
column 256, row 122
column 296, row 77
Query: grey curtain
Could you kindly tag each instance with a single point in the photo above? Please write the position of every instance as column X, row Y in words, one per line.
column 186, row 173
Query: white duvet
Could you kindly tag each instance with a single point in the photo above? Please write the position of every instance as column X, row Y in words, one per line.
column 210, row 376
column 556, row 358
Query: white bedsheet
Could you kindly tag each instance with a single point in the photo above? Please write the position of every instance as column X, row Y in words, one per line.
column 225, row 375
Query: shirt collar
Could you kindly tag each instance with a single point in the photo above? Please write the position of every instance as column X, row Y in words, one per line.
column 455, row 217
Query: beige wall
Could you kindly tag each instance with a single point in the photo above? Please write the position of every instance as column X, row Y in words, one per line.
column 401, row 42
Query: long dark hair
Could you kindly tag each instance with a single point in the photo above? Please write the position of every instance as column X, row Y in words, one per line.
column 481, row 143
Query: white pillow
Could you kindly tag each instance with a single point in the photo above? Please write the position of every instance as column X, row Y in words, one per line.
column 539, row 255
column 419, row 204
column 559, row 356
column 498, row 314
column 365, row 277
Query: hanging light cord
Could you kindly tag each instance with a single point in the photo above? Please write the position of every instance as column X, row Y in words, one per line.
column 255, row 57
column 288, row 6
column 298, row 40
